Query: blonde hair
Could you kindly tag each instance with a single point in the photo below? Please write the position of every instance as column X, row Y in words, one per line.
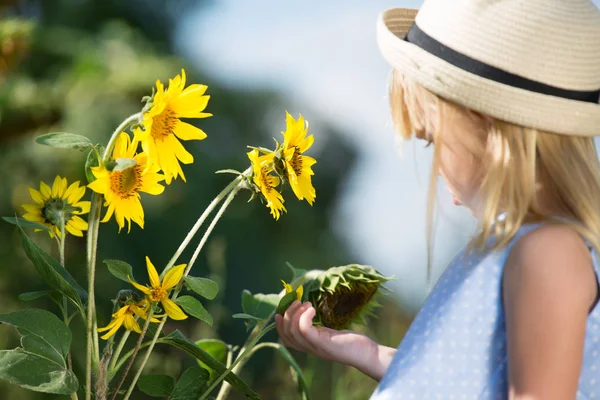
column 515, row 161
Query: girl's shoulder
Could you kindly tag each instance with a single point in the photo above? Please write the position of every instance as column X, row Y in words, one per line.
column 551, row 261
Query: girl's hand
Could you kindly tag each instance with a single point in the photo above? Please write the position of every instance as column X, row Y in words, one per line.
column 347, row 347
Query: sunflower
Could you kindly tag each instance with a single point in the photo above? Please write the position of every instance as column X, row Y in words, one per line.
column 262, row 167
column 126, row 316
column 297, row 165
column 121, row 189
column 163, row 128
column 57, row 205
column 159, row 291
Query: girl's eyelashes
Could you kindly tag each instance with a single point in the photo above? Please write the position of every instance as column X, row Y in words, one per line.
column 429, row 142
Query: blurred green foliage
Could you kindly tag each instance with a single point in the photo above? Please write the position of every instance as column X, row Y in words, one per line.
column 82, row 66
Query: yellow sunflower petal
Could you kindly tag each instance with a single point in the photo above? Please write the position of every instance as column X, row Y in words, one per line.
column 113, row 330
column 141, row 288
column 300, row 292
column 78, row 223
column 173, row 276
column 172, row 309
column 45, row 190
column 76, row 194
column 37, row 217
column 59, row 186
column 72, row 230
column 131, row 324
column 287, row 286
column 84, row 207
column 36, row 196
column 152, row 274
column 100, row 185
column 31, row 208
column 111, row 325
column 185, row 131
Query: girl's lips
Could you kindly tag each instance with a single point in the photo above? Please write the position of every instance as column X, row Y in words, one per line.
column 456, row 201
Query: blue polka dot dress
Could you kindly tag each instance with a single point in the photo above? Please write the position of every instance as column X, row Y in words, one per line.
column 456, row 346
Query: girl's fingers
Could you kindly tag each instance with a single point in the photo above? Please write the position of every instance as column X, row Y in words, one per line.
column 297, row 334
column 306, row 328
column 287, row 323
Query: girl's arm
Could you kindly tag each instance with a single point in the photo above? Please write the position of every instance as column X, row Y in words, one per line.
column 347, row 347
column 548, row 289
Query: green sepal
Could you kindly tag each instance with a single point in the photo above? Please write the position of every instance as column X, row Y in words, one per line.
column 286, row 301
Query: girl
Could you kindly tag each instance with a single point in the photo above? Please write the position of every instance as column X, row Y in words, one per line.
column 508, row 92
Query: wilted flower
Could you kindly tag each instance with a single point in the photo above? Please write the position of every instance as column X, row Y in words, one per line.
column 56, row 204
column 345, row 295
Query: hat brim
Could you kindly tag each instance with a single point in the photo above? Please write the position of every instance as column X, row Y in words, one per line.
column 507, row 103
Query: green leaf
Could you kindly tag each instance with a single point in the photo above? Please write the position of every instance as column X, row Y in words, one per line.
column 156, row 385
column 191, row 385
column 216, row 348
column 28, row 296
column 40, row 363
column 34, row 372
column 65, row 140
column 296, row 370
column 205, row 287
column 25, row 223
column 178, row 340
column 41, row 328
column 194, row 308
column 296, row 272
column 52, row 272
column 286, row 301
column 92, row 161
column 259, row 305
column 119, row 269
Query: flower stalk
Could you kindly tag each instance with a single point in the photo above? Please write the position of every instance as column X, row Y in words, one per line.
column 230, row 191
column 93, row 346
column 132, row 358
column 247, row 349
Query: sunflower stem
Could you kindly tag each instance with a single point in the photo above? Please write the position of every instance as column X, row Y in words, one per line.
column 92, row 244
column 243, row 355
column 231, row 190
column 61, row 254
column 132, row 359
column 200, row 221
column 117, row 352
column 246, row 350
column 124, row 125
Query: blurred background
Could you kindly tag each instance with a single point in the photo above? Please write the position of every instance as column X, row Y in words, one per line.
column 82, row 66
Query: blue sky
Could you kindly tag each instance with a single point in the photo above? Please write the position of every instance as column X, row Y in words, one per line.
column 323, row 56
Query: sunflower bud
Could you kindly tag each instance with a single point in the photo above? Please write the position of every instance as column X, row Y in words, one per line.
column 345, row 295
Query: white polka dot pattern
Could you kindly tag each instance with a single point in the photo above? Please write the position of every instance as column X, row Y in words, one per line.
column 456, row 346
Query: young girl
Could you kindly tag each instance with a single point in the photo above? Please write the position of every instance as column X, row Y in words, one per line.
column 508, row 93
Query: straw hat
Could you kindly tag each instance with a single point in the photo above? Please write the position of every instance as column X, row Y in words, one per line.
column 535, row 63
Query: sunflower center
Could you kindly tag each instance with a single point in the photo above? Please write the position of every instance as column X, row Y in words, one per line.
column 127, row 182
column 163, row 124
column 57, row 210
column 266, row 179
column 157, row 294
column 296, row 161
column 340, row 308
